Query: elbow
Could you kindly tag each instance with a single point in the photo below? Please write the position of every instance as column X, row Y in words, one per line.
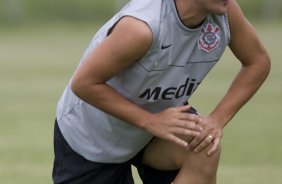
column 260, row 65
column 78, row 87
column 263, row 67
column 85, row 89
column 266, row 64
column 262, row 62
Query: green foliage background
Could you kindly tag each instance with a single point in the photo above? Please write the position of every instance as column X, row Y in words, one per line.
column 54, row 10
column 22, row 11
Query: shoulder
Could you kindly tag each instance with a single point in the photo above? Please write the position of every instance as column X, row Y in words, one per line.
column 133, row 31
column 128, row 40
column 132, row 25
column 147, row 11
column 236, row 18
column 240, row 28
column 245, row 42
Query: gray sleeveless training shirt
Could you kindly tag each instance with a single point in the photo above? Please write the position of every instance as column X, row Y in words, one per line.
column 165, row 77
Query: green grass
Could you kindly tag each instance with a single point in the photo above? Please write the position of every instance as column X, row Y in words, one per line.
column 37, row 62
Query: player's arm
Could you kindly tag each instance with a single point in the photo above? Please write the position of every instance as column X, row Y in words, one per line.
column 129, row 40
column 255, row 66
column 247, row 47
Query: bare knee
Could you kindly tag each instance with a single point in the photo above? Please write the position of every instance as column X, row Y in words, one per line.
column 202, row 164
column 161, row 154
column 198, row 168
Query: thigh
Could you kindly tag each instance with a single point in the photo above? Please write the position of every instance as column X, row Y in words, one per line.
column 164, row 155
column 193, row 167
column 151, row 175
column 71, row 168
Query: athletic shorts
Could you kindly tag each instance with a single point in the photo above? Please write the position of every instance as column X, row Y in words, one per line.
column 71, row 168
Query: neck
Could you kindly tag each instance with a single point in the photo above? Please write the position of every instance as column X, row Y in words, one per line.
column 190, row 14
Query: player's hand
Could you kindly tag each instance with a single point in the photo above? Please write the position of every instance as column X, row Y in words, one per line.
column 211, row 135
column 175, row 124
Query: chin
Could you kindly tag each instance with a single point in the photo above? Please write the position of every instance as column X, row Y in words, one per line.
column 221, row 11
column 221, row 8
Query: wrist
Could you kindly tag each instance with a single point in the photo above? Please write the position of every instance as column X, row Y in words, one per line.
column 221, row 120
column 145, row 121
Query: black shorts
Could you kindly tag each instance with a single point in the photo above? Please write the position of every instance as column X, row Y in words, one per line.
column 71, row 168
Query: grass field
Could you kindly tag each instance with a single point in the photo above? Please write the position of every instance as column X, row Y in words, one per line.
column 36, row 62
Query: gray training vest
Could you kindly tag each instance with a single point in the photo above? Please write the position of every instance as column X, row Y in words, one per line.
column 166, row 76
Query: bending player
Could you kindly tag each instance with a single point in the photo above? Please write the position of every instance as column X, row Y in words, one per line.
column 123, row 105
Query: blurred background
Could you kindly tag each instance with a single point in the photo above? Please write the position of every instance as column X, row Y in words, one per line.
column 41, row 43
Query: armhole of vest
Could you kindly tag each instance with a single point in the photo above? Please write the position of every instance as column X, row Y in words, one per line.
column 152, row 28
column 227, row 28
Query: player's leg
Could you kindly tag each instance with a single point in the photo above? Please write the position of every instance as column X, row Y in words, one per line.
column 71, row 168
column 194, row 167
column 198, row 168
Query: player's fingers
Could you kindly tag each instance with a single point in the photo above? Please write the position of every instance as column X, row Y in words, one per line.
column 214, row 148
column 184, row 108
column 186, row 132
column 189, row 117
column 178, row 141
column 188, row 125
column 205, row 143
column 196, row 141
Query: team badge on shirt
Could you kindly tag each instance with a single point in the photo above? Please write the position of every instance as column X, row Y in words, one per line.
column 209, row 37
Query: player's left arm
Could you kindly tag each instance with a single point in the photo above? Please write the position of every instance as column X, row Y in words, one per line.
column 249, row 50
column 255, row 66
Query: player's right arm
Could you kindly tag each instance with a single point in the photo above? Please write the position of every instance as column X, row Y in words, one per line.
column 129, row 40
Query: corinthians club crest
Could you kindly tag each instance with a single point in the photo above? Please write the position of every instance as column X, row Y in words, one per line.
column 209, row 38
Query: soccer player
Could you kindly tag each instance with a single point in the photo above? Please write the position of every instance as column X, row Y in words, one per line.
column 124, row 104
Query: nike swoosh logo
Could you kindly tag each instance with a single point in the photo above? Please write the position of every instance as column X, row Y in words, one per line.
column 165, row 46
